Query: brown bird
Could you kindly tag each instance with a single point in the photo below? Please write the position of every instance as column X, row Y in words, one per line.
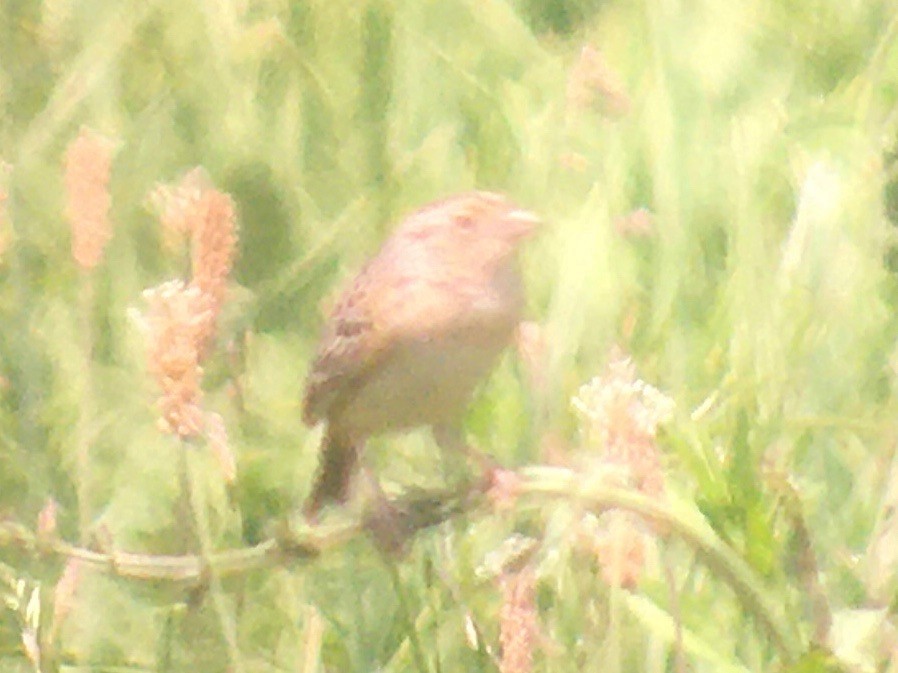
column 418, row 328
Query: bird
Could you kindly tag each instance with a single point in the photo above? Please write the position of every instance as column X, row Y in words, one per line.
column 415, row 331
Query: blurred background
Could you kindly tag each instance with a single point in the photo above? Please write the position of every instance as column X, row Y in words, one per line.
column 719, row 186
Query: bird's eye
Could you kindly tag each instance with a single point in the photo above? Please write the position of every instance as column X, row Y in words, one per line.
column 466, row 221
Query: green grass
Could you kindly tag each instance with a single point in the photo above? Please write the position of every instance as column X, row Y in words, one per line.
column 762, row 136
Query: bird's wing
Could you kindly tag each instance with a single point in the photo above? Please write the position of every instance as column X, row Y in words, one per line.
column 387, row 303
column 353, row 341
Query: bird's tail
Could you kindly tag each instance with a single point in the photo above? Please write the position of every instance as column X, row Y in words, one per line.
column 337, row 463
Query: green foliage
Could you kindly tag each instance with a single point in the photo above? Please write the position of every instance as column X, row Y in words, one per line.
column 761, row 138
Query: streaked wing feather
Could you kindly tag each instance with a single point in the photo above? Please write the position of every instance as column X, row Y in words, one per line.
column 365, row 326
column 350, row 345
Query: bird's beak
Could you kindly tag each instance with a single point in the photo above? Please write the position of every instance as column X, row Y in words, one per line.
column 523, row 222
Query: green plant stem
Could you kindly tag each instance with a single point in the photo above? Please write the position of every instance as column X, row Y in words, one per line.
column 201, row 528
column 86, row 409
column 557, row 483
column 689, row 525
column 404, row 608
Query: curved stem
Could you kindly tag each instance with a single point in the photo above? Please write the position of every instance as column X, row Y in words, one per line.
column 557, row 483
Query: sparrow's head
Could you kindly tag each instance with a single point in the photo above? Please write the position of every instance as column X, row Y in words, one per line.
column 483, row 226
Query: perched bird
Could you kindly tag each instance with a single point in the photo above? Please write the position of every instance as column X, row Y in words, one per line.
column 415, row 332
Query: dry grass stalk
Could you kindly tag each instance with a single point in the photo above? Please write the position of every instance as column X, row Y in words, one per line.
column 5, row 170
column 213, row 226
column 637, row 224
column 4, row 236
column 619, row 541
column 88, row 161
column 533, row 349
column 622, row 414
column 64, row 593
column 174, row 324
column 518, row 625
column 592, row 81
column 181, row 320
column 47, row 519
column 193, row 210
column 175, row 203
column 217, row 436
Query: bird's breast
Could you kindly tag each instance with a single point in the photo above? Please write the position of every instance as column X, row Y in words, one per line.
column 425, row 380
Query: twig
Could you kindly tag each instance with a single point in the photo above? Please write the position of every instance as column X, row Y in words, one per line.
column 536, row 483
